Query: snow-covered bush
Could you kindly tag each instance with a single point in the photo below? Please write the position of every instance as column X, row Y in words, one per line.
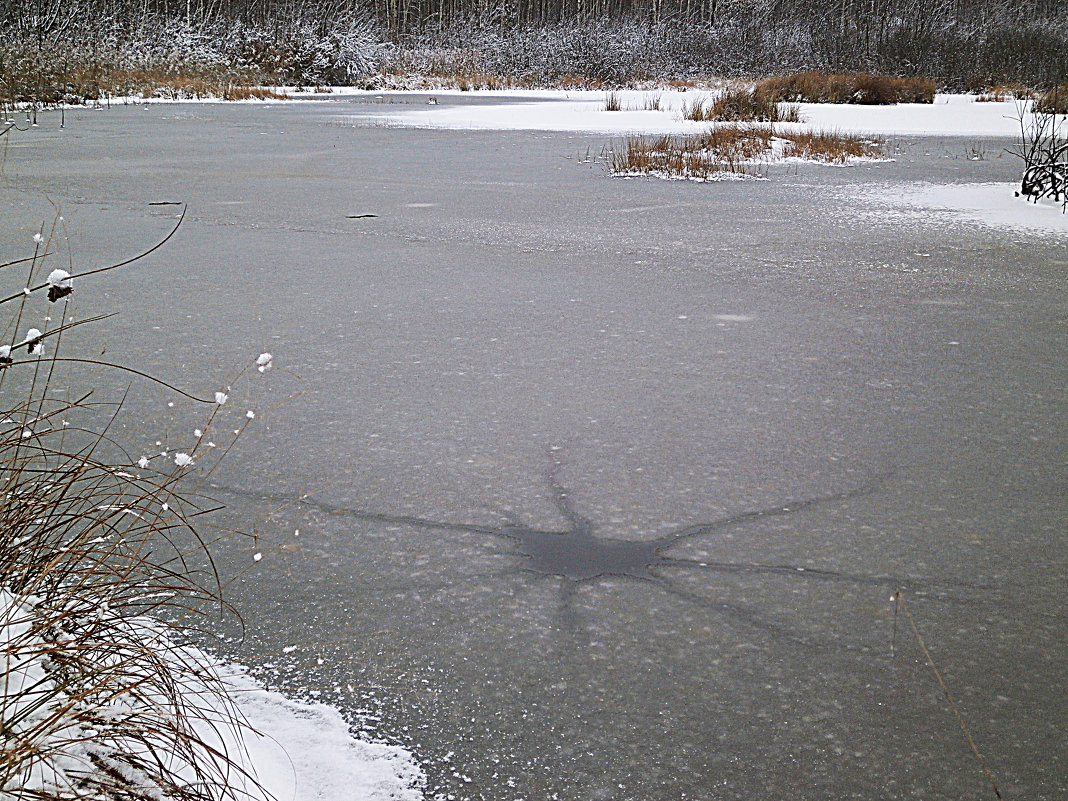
column 1043, row 147
column 299, row 50
column 183, row 57
column 102, row 574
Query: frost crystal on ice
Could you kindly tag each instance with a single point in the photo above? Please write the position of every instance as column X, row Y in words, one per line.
column 38, row 238
column 59, row 285
column 221, row 398
column 143, row 462
column 5, row 354
column 197, row 433
column 257, row 556
column 251, row 415
column 263, row 362
column 183, row 459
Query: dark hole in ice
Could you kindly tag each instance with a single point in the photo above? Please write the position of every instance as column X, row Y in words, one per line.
column 579, row 555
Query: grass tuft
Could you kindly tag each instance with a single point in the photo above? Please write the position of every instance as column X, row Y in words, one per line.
column 697, row 110
column 734, row 150
column 831, row 147
column 104, row 573
column 1055, row 101
column 746, row 105
column 722, row 152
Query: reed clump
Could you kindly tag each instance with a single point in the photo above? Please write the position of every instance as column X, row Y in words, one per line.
column 856, row 87
column 723, row 152
column 747, row 105
column 105, row 572
column 736, row 150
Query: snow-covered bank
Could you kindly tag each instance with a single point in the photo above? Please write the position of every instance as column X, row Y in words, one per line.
column 993, row 205
column 304, row 751
column 132, row 712
column 653, row 111
column 660, row 112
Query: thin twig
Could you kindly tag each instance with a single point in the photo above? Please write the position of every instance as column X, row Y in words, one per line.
column 945, row 690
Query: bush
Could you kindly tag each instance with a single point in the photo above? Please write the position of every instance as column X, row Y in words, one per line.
column 1043, row 148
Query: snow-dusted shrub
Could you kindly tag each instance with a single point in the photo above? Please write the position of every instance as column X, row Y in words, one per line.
column 102, row 572
column 180, row 57
column 299, row 50
column 1043, row 147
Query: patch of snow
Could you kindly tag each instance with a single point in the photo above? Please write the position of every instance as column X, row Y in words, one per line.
column 949, row 115
column 295, row 751
column 306, row 752
column 33, row 342
column 990, row 204
column 59, row 279
column 558, row 110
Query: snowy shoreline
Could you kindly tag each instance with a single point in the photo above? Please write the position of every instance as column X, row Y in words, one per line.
column 950, row 115
column 226, row 727
column 304, row 751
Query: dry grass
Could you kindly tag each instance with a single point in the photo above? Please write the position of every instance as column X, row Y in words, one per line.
column 1002, row 92
column 862, row 88
column 832, row 147
column 185, row 87
column 612, row 102
column 746, row 105
column 725, row 151
column 733, row 150
column 53, row 80
column 1055, row 101
column 101, row 700
column 467, row 83
column 697, row 110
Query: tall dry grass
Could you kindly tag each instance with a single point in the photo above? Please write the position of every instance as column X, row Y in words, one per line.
column 723, row 152
column 105, row 571
column 857, row 87
column 746, row 105
column 1055, row 101
column 733, row 150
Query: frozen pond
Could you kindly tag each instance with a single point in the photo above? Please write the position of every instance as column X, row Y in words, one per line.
column 604, row 486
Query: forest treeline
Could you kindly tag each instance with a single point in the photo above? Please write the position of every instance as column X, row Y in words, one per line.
column 962, row 44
